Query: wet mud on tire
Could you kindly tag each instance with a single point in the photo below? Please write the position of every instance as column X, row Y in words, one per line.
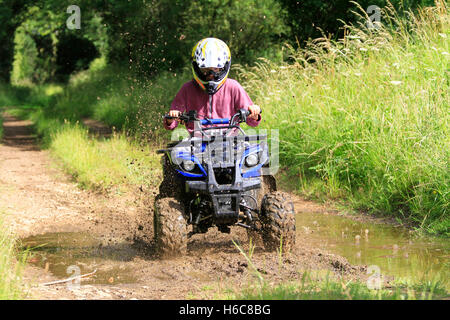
column 278, row 221
column 170, row 227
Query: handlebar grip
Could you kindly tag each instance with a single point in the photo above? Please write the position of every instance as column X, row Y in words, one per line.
column 244, row 112
column 169, row 117
column 215, row 121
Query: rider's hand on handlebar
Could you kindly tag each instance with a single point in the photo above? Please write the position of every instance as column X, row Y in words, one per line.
column 174, row 114
column 254, row 112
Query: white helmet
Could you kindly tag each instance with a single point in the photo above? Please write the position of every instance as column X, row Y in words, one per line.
column 211, row 53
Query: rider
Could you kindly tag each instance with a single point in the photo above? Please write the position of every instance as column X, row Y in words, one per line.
column 211, row 93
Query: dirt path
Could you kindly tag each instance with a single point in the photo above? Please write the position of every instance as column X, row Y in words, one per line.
column 39, row 199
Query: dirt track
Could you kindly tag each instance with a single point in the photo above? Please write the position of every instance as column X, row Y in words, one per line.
column 39, row 198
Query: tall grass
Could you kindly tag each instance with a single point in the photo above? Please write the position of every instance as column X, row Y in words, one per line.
column 11, row 265
column 366, row 118
column 29, row 96
column 105, row 163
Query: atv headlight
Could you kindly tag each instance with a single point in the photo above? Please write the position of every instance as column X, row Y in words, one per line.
column 188, row 165
column 251, row 160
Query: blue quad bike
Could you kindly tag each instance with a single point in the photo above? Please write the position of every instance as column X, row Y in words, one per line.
column 214, row 178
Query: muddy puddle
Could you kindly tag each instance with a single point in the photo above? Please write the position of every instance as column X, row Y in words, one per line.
column 392, row 251
column 70, row 254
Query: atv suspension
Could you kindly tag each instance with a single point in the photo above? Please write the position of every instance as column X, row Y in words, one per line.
column 248, row 217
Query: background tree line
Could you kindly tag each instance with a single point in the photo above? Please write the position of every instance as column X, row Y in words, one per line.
column 149, row 36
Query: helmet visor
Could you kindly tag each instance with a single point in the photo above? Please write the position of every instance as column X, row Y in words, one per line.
column 211, row 74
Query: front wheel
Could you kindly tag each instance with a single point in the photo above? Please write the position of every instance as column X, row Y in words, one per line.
column 170, row 227
column 278, row 221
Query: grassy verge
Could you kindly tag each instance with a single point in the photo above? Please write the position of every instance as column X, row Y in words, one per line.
column 317, row 286
column 367, row 122
column 11, row 265
column 105, row 164
column 328, row 289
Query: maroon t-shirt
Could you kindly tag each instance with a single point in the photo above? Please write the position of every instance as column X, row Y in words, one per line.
column 224, row 103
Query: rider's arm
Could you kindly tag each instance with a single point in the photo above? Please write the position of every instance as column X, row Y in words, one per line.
column 177, row 107
column 243, row 101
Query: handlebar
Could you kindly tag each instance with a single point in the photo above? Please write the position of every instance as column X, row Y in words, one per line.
column 191, row 116
column 215, row 121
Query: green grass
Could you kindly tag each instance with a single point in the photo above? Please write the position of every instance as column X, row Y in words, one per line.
column 1, row 124
column 310, row 288
column 317, row 286
column 11, row 265
column 105, row 163
column 367, row 122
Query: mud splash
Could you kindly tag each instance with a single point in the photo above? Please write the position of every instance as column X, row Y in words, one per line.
column 394, row 251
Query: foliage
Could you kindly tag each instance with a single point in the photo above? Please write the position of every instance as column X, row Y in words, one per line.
column 367, row 115
column 161, row 34
column 248, row 27
column 35, row 46
column 25, row 56
column 310, row 19
column 55, row 50
column 6, row 17
column 151, row 36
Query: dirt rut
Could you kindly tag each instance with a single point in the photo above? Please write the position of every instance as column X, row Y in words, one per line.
column 39, row 198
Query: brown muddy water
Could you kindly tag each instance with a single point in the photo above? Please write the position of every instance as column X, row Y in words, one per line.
column 63, row 254
column 391, row 251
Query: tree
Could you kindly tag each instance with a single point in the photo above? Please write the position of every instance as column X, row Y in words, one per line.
column 309, row 18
